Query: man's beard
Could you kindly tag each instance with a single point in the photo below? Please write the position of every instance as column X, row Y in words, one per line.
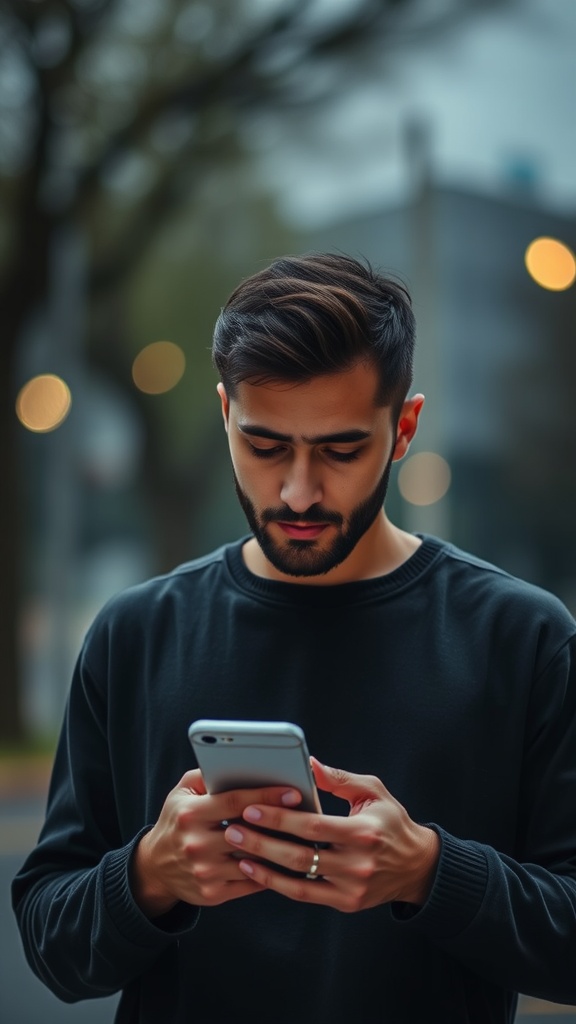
column 302, row 557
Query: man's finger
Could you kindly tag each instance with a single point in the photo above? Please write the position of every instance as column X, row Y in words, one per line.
column 232, row 804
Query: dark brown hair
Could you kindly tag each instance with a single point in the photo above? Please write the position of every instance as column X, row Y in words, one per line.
column 305, row 316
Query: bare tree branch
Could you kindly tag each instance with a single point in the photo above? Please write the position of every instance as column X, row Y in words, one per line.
column 199, row 91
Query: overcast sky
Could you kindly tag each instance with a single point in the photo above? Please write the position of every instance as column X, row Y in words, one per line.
column 498, row 92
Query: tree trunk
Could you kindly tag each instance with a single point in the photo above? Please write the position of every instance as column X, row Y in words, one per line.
column 21, row 293
column 11, row 713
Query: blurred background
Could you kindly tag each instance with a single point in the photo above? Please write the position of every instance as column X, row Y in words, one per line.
column 155, row 152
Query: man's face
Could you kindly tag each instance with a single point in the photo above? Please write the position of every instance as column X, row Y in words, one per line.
column 311, row 466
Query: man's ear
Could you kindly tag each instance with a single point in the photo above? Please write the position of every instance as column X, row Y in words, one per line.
column 407, row 425
column 225, row 404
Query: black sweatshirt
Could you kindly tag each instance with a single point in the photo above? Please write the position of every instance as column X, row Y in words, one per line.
column 450, row 680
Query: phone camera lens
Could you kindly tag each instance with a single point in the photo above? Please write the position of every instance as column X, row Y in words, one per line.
column 208, row 739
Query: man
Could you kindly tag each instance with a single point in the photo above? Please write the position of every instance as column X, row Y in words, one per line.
column 442, row 873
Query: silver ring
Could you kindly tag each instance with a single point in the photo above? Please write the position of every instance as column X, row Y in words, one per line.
column 312, row 872
column 224, row 823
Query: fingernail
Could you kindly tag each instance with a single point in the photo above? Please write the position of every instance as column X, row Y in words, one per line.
column 235, row 835
column 252, row 814
column 246, row 867
column 291, row 798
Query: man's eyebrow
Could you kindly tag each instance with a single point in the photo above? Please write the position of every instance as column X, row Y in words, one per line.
column 340, row 437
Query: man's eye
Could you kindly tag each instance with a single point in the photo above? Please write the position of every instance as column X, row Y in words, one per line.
column 342, row 456
column 265, row 453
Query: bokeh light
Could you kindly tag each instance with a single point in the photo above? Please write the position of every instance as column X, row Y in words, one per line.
column 551, row 263
column 424, row 478
column 43, row 403
column 158, row 367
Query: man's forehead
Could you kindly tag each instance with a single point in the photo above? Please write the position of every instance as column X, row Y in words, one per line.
column 319, row 411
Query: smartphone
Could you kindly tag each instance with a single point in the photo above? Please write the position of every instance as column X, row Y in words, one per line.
column 247, row 755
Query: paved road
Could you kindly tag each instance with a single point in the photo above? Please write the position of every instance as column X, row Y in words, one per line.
column 23, row 1000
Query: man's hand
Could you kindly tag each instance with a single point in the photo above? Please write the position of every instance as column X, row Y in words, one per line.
column 185, row 856
column 376, row 855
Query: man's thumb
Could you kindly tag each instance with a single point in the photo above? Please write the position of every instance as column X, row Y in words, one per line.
column 346, row 785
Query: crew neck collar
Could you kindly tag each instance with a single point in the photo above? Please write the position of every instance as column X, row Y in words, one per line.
column 306, row 594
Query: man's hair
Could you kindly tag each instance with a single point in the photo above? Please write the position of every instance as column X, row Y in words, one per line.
column 306, row 316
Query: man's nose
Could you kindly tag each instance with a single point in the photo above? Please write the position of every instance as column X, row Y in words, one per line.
column 301, row 487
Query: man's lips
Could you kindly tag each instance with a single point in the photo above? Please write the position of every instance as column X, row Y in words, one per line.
column 302, row 531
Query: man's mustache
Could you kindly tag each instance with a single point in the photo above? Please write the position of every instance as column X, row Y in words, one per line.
column 315, row 514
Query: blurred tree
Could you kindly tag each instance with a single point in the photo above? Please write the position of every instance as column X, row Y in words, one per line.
column 114, row 114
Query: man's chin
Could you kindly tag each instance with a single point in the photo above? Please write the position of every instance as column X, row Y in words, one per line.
column 299, row 558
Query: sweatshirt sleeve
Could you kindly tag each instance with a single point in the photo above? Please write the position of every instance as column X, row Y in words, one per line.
column 512, row 918
column 83, row 934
